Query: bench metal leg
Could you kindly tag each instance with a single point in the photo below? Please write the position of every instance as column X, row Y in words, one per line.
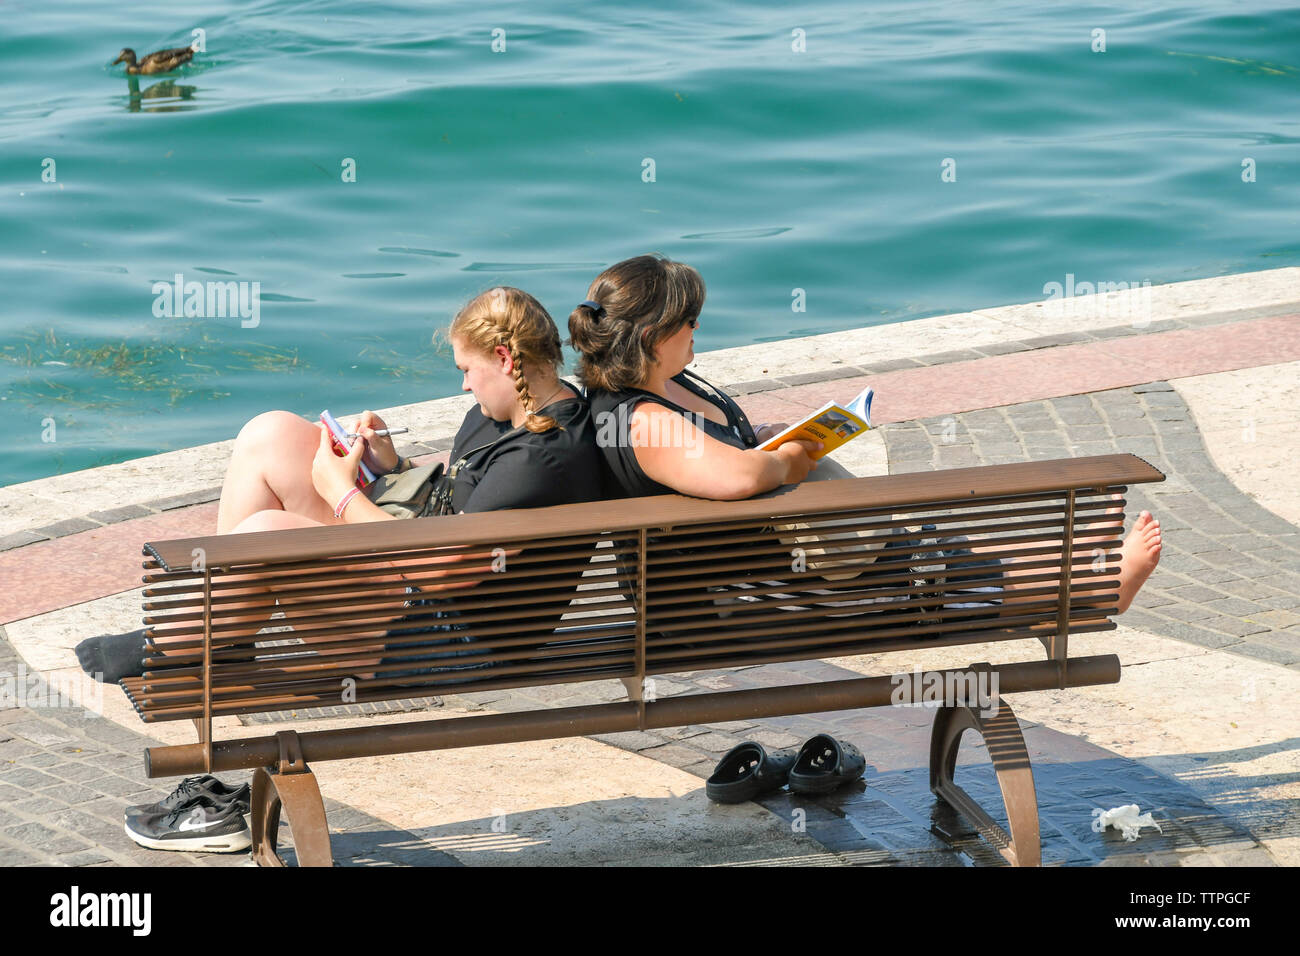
column 292, row 785
column 1010, row 759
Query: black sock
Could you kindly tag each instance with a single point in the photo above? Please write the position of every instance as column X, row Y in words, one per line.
column 111, row 657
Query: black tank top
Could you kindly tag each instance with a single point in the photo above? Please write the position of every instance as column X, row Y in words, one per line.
column 612, row 416
column 509, row 467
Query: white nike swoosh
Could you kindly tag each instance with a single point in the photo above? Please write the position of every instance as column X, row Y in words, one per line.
column 194, row 823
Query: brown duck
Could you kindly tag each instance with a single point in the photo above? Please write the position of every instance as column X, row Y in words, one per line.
column 164, row 61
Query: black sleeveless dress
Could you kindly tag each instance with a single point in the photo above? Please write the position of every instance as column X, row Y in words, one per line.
column 612, row 414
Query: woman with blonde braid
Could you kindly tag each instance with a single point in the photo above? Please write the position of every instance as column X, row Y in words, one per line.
column 529, row 442
column 540, row 443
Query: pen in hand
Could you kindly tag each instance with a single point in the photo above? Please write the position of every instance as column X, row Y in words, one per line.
column 385, row 432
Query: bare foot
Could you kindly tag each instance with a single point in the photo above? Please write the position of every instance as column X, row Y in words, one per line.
column 1138, row 558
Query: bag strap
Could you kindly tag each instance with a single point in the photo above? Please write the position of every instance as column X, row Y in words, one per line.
column 518, row 429
column 445, row 484
column 729, row 404
column 463, row 460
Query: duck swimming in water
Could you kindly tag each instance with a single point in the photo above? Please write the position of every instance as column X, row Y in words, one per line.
column 164, row 61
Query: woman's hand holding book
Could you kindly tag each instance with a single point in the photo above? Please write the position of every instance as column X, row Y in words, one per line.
column 765, row 431
column 797, row 457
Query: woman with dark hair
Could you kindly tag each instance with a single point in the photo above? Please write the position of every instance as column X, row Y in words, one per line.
column 661, row 429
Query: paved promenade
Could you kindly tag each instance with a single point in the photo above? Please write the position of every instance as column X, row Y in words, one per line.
column 1200, row 378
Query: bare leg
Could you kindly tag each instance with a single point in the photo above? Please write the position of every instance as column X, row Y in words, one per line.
column 268, row 487
column 1139, row 555
column 270, row 470
column 1138, row 558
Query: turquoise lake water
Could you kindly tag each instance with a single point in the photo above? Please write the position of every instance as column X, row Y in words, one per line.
column 774, row 170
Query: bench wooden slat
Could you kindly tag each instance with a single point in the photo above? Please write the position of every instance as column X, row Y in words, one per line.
column 810, row 498
column 401, row 689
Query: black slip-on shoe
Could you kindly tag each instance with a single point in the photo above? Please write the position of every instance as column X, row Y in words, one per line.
column 746, row 771
column 825, row 763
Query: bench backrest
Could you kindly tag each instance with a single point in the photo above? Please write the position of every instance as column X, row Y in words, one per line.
column 645, row 586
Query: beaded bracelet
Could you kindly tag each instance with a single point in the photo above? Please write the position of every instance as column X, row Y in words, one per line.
column 343, row 502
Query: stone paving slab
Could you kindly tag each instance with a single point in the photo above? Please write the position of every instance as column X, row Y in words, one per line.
column 912, row 394
column 1198, row 302
column 96, row 562
column 1249, row 420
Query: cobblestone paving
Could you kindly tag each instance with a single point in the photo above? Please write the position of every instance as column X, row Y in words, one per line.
column 1229, row 573
column 890, row 817
column 66, row 775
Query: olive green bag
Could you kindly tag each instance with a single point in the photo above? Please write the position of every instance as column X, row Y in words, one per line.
column 425, row 490
column 409, row 494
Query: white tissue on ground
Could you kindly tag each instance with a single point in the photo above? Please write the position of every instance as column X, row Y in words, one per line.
column 1127, row 820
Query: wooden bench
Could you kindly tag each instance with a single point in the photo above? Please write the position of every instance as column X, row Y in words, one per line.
column 637, row 584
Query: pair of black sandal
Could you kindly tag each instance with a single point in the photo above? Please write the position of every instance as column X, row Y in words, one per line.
column 819, row 766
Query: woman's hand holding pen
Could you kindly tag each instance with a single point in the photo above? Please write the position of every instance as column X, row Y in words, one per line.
column 380, row 456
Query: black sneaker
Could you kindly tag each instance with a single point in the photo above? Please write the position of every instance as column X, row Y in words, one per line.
column 191, row 788
column 202, row 826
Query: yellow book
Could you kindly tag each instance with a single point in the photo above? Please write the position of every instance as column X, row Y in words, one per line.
column 832, row 425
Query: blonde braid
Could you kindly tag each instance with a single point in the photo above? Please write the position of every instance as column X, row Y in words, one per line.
column 533, row 422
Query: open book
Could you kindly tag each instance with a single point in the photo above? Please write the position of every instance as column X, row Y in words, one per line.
column 832, row 424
